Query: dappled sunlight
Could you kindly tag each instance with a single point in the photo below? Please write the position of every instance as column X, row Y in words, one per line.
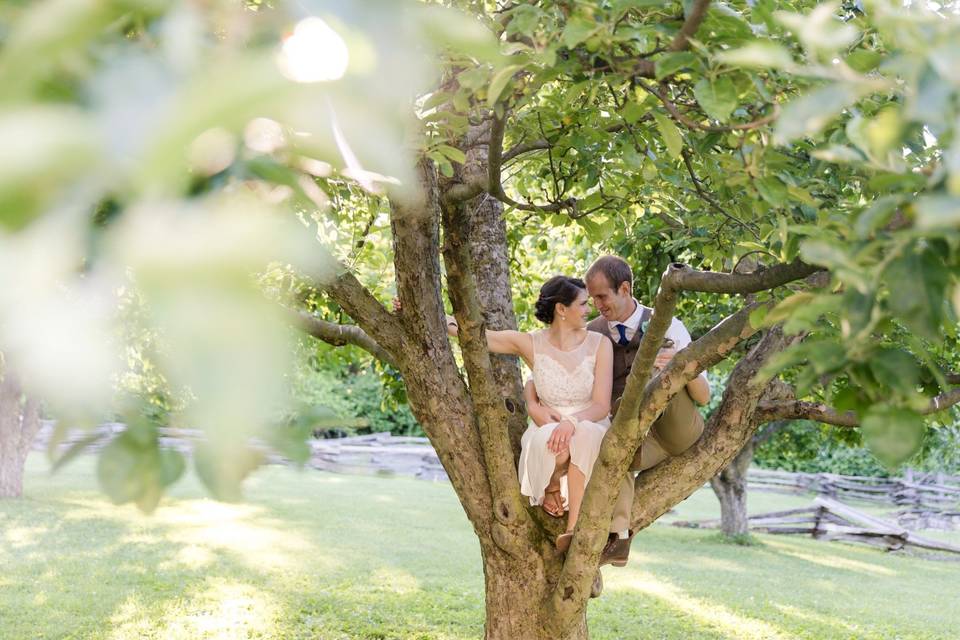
column 717, row 564
column 222, row 609
column 191, row 557
column 17, row 537
column 832, row 561
column 394, row 580
column 258, row 541
column 706, row 613
column 817, row 618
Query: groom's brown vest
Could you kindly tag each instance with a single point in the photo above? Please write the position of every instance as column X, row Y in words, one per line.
column 623, row 355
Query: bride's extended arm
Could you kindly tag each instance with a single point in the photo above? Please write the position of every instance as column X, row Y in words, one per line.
column 508, row 342
column 602, row 385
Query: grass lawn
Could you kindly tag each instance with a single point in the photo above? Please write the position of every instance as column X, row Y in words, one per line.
column 321, row 556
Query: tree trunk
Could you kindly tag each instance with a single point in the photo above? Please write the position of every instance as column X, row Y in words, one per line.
column 516, row 590
column 11, row 475
column 730, row 486
column 19, row 423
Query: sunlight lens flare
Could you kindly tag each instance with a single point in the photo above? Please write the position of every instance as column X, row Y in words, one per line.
column 313, row 53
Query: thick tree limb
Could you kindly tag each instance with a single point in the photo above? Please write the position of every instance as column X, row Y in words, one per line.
column 339, row 335
column 438, row 395
column 725, row 434
column 361, row 305
column 800, row 410
column 690, row 279
column 513, row 523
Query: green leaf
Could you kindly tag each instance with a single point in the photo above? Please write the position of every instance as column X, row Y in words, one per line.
column 717, row 97
column 452, row 153
column 876, row 216
column 918, row 282
column 130, row 472
column 474, row 77
column 896, row 369
column 669, row 63
column 670, row 134
column 172, row 466
column 809, row 114
column 632, row 112
column 758, row 317
column 772, row 190
column 75, row 449
column 499, row 82
column 576, row 31
column 222, row 468
column 894, row 435
column 864, row 60
column 938, row 212
column 786, row 307
column 819, row 31
column 762, row 54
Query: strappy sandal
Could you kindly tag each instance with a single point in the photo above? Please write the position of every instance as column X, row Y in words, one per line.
column 559, row 502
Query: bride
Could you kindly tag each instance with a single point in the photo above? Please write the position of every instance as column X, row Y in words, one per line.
column 573, row 373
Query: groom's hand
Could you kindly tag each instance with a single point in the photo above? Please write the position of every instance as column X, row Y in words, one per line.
column 542, row 415
column 664, row 356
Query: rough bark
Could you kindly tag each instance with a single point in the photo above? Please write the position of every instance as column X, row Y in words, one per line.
column 725, row 434
column 730, row 487
column 19, row 424
column 516, row 589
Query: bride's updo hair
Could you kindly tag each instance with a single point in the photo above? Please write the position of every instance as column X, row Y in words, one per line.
column 558, row 289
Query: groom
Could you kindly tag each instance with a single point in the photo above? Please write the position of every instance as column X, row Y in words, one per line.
column 623, row 319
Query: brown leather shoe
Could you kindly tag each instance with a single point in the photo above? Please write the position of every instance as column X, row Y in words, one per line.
column 597, row 587
column 617, row 550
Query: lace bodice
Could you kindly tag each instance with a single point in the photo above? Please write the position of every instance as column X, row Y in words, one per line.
column 564, row 379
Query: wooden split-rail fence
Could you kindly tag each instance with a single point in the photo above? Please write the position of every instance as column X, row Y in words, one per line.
column 914, row 492
column 829, row 519
column 374, row 454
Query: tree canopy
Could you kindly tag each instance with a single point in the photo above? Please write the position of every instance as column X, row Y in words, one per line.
column 785, row 175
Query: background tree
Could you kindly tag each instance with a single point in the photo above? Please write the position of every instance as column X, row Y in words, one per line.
column 19, row 423
column 656, row 128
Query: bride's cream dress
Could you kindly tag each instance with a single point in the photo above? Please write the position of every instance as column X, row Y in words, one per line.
column 564, row 381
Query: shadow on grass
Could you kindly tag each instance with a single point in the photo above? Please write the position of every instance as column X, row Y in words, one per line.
column 77, row 566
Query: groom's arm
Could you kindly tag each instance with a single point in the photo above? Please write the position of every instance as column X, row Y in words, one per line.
column 540, row 414
column 699, row 390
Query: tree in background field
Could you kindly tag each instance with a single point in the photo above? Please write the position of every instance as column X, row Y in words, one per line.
column 785, row 175
column 19, row 423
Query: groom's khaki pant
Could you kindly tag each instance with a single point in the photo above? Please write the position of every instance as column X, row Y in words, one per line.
column 676, row 430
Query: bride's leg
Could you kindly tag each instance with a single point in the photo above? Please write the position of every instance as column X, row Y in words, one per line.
column 576, row 483
column 552, row 492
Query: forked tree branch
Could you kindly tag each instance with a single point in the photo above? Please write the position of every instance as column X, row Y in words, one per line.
column 339, row 335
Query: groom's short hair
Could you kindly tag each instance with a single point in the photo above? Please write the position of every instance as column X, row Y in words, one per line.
column 614, row 269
